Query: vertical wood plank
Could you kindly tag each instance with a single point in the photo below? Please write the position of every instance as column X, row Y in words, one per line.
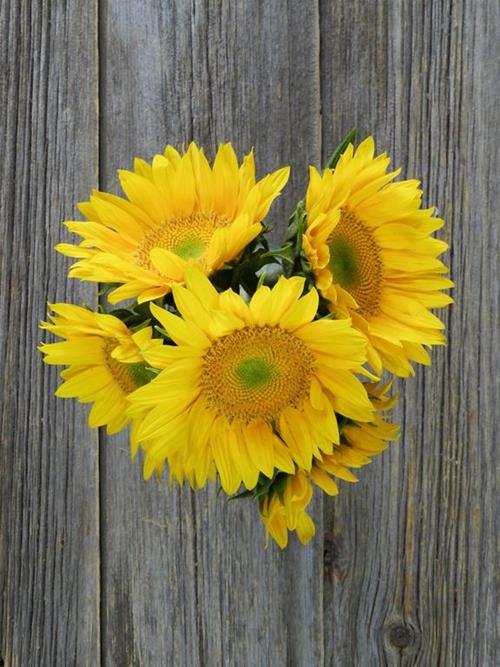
column 49, row 556
column 414, row 548
column 186, row 578
column 411, row 554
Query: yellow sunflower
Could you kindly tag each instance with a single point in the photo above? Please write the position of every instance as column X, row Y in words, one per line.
column 250, row 387
column 359, row 441
column 104, row 360
column 279, row 515
column 179, row 211
column 369, row 245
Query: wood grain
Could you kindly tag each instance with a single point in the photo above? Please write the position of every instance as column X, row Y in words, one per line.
column 49, row 555
column 206, row 592
column 98, row 567
column 414, row 550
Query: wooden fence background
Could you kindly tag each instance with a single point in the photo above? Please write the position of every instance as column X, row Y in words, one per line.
column 98, row 567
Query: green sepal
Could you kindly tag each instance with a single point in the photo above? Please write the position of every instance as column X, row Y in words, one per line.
column 122, row 314
column 262, row 278
column 161, row 331
column 243, row 271
column 266, row 486
column 279, row 486
column 324, row 309
column 343, row 422
column 106, row 288
column 261, row 500
column 136, row 316
column 294, row 261
column 142, row 325
column 300, row 224
column 263, row 485
column 349, row 138
column 285, row 252
column 142, row 374
column 243, row 494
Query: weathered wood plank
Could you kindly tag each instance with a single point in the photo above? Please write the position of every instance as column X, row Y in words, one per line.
column 49, row 556
column 411, row 553
column 186, row 578
column 414, row 550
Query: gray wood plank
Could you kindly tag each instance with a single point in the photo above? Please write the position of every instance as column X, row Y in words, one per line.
column 410, row 555
column 49, row 556
column 186, row 578
column 414, row 550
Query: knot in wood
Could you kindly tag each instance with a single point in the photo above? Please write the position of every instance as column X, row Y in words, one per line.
column 401, row 636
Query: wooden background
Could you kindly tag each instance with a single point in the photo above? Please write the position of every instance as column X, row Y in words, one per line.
column 98, row 567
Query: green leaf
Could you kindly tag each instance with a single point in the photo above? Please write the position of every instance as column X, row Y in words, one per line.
column 243, row 494
column 349, row 138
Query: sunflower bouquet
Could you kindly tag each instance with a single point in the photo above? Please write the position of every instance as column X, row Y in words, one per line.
column 235, row 363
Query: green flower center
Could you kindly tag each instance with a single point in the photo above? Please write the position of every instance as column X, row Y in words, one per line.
column 344, row 262
column 254, row 372
column 355, row 262
column 127, row 376
column 191, row 249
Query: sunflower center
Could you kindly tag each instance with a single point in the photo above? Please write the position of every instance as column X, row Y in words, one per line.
column 355, row 262
column 190, row 249
column 256, row 372
column 188, row 236
column 127, row 376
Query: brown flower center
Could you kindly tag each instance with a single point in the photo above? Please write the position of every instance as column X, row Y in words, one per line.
column 188, row 236
column 127, row 376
